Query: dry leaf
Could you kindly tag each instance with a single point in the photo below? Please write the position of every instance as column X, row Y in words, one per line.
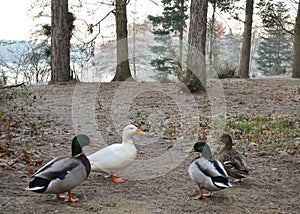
column 29, row 170
column 27, row 155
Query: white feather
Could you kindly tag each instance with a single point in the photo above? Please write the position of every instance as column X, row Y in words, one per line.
column 115, row 157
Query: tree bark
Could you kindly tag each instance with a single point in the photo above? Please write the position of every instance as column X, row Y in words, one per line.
column 211, row 36
column 60, row 42
column 122, row 71
column 196, row 72
column 243, row 70
column 180, row 55
column 296, row 65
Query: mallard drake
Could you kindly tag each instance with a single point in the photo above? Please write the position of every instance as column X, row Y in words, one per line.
column 116, row 157
column 207, row 173
column 62, row 174
column 234, row 163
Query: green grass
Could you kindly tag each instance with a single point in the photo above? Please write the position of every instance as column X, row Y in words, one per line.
column 270, row 130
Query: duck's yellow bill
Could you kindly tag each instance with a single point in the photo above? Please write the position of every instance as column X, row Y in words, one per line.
column 140, row 132
column 191, row 150
column 94, row 144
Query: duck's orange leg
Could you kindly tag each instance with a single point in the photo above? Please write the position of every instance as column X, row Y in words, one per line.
column 209, row 195
column 58, row 196
column 70, row 199
column 67, row 198
column 116, row 179
column 201, row 195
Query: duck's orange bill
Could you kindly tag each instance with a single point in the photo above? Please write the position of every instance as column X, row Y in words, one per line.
column 140, row 132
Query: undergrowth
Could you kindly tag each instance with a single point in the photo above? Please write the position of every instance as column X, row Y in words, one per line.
column 271, row 131
column 19, row 128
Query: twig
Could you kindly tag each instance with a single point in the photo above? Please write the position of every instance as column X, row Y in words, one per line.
column 11, row 86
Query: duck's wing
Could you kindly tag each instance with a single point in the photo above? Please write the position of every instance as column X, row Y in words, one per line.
column 211, row 168
column 214, row 170
column 234, row 161
column 239, row 162
column 47, row 165
column 111, row 149
column 110, row 159
column 57, row 168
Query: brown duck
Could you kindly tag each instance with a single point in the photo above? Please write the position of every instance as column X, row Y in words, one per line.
column 234, row 163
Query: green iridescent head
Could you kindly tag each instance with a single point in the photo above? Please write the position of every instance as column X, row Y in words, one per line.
column 79, row 141
column 201, row 147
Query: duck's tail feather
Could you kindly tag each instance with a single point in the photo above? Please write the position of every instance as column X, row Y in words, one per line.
column 38, row 185
column 34, row 189
column 221, row 182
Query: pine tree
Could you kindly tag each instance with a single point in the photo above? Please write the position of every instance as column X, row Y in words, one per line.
column 170, row 24
column 274, row 51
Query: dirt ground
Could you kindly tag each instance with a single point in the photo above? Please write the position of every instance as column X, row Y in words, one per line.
column 158, row 181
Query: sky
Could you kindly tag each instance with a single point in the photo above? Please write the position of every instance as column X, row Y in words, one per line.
column 16, row 22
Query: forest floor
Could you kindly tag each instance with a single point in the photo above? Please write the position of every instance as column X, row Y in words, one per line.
column 262, row 115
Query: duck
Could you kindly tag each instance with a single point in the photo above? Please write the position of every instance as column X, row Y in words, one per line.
column 207, row 173
column 234, row 162
column 116, row 157
column 62, row 174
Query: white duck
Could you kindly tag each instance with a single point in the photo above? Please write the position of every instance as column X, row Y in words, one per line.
column 207, row 173
column 116, row 157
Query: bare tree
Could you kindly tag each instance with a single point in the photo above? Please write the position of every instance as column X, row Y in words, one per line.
column 296, row 66
column 196, row 72
column 243, row 70
column 23, row 62
column 39, row 66
column 14, row 62
column 60, row 42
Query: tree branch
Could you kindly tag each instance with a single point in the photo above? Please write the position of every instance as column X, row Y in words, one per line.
column 11, row 86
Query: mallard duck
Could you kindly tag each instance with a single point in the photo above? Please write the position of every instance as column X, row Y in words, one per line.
column 116, row 157
column 234, row 163
column 62, row 174
column 207, row 173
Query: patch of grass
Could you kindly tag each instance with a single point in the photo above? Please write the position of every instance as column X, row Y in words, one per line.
column 258, row 130
column 33, row 129
column 259, row 118
column 241, row 116
column 169, row 131
column 247, row 128
column 226, row 71
column 272, row 131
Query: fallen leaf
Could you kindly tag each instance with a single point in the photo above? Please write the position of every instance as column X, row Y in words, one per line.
column 29, row 170
column 27, row 155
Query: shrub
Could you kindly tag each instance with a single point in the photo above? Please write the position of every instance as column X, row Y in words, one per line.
column 226, row 71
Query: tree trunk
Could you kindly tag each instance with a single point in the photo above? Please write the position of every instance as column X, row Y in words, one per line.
column 60, row 42
column 246, row 45
column 211, row 38
column 196, row 71
column 134, row 40
column 180, row 55
column 123, row 71
column 296, row 66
